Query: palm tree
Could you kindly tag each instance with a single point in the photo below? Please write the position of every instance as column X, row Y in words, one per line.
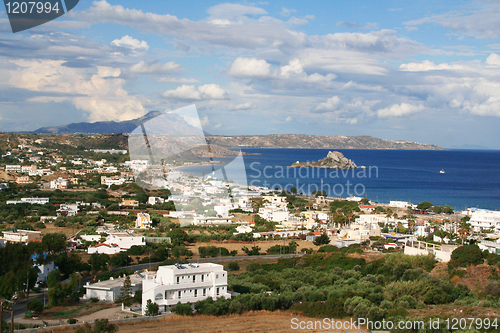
column 464, row 230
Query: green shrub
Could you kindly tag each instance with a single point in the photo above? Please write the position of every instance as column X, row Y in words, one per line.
column 233, row 266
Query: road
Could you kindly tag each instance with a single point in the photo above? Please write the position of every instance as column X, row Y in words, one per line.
column 20, row 307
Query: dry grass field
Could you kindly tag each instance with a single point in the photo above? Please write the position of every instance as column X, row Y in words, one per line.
column 259, row 321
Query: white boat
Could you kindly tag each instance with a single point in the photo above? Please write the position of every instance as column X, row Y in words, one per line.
column 442, row 171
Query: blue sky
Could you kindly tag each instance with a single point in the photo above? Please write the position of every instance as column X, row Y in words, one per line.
column 403, row 70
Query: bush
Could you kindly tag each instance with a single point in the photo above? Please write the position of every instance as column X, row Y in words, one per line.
column 72, row 321
column 233, row 266
column 35, row 305
column 94, row 300
column 467, row 255
column 183, row 309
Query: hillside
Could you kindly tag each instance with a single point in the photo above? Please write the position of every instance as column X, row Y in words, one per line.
column 253, row 141
column 315, row 142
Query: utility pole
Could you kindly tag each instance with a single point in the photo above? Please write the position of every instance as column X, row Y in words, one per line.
column 11, row 315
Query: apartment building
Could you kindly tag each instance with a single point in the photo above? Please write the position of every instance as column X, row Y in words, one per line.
column 185, row 283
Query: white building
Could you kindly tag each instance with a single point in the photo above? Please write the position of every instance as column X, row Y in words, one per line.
column 33, row 201
column 115, row 180
column 272, row 214
column 22, row 236
column 111, row 289
column 155, row 200
column 13, row 168
column 185, row 283
column 117, row 242
column 59, row 183
column 143, row 221
column 485, row 219
column 401, row 204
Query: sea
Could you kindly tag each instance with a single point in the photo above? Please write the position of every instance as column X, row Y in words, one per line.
column 458, row 178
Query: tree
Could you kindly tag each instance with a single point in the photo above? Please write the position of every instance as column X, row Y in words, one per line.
column 464, row 230
column 8, row 285
column 125, row 294
column 364, row 201
column 424, row 205
column 467, row 255
column 54, row 242
column 152, row 309
column 323, row 239
column 178, row 236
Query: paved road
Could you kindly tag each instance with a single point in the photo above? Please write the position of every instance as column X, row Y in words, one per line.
column 20, row 306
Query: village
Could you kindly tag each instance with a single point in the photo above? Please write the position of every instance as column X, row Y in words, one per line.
column 107, row 221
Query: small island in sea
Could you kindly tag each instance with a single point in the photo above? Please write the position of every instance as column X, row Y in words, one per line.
column 334, row 160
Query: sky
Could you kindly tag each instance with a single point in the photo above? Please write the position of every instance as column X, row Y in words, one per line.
column 421, row 71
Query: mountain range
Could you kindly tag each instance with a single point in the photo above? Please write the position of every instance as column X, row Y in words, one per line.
column 248, row 141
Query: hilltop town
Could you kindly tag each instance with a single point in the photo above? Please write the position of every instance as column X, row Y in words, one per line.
column 73, row 209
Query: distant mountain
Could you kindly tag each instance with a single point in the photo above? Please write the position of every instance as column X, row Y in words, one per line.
column 249, row 141
column 99, row 127
column 315, row 142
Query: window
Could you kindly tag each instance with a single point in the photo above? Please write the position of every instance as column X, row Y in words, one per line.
column 196, row 293
column 194, row 278
column 179, row 295
column 204, row 292
column 177, row 279
column 158, row 297
column 217, row 276
column 202, row 277
column 166, row 293
column 217, row 291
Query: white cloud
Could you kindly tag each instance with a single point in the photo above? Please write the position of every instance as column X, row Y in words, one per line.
column 184, row 92
column 482, row 23
column 493, row 59
column 331, row 104
column 220, row 22
column 212, row 91
column 99, row 93
column 131, row 43
column 154, row 68
column 400, row 110
column 287, row 11
column 427, row 65
column 229, row 10
column 250, row 67
column 240, row 107
column 190, row 92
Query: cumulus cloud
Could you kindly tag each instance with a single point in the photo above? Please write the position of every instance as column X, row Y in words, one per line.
column 190, row 92
column 241, row 107
column 400, row 110
column 292, row 73
column 131, row 43
column 250, row 67
column 100, row 94
column 154, row 67
column 493, row 60
column 331, row 104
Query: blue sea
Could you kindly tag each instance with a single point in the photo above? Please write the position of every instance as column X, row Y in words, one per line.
column 471, row 178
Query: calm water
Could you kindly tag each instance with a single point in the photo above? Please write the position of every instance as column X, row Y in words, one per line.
column 471, row 178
